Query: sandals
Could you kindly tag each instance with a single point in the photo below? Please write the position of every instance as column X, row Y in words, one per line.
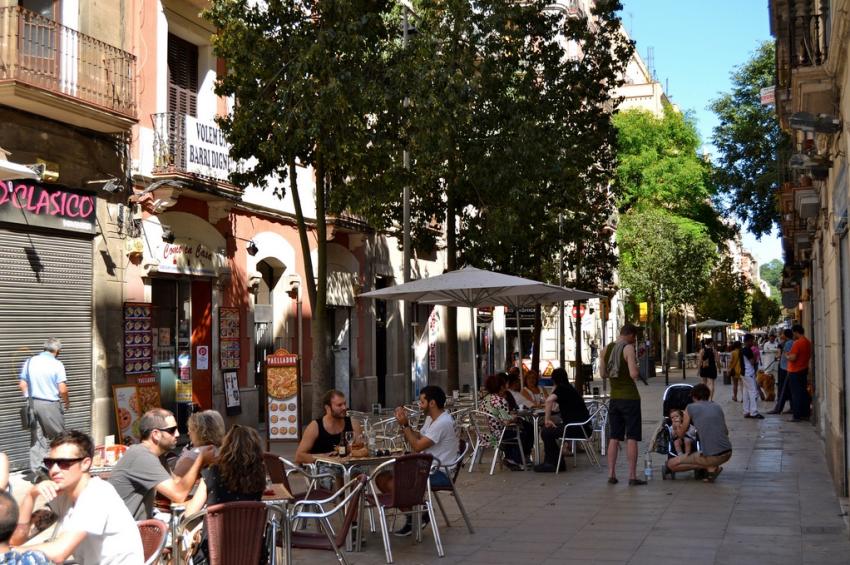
column 713, row 476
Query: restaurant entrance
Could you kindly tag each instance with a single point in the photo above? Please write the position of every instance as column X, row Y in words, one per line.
column 182, row 318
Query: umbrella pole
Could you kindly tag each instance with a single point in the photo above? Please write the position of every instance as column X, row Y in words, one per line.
column 474, row 357
column 518, row 343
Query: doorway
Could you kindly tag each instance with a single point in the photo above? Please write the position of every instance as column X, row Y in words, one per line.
column 339, row 338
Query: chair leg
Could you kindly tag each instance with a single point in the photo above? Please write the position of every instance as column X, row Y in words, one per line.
column 388, row 552
column 560, row 457
column 575, row 455
column 495, row 458
column 442, row 510
column 324, row 525
column 371, row 520
column 417, row 523
column 435, row 529
column 474, row 459
column 462, row 510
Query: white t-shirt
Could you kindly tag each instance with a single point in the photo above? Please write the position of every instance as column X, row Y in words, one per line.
column 112, row 537
column 442, row 432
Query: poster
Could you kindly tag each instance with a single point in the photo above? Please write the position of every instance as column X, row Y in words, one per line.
column 228, row 333
column 138, row 349
column 202, row 357
column 282, row 387
column 131, row 401
column 232, row 402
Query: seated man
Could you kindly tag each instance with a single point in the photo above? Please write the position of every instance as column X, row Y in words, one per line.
column 324, row 434
column 94, row 525
column 437, row 437
column 140, row 473
column 9, row 526
column 710, row 423
column 572, row 409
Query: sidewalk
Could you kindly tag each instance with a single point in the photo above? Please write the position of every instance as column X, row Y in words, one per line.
column 774, row 503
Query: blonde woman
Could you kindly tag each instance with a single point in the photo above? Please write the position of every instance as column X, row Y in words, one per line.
column 205, row 428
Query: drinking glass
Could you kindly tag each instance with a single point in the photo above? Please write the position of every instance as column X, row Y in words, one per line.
column 349, row 439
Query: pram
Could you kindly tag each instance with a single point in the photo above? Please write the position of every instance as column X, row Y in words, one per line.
column 676, row 396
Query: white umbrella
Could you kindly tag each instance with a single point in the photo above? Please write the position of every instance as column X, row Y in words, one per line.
column 470, row 288
column 12, row 171
column 710, row 324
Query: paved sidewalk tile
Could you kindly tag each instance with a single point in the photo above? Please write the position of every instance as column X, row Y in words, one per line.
column 774, row 503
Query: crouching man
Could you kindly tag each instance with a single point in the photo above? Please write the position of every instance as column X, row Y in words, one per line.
column 715, row 447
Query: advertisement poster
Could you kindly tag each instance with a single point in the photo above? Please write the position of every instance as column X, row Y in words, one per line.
column 282, row 387
column 232, row 402
column 138, row 349
column 228, row 333
column 131, row 402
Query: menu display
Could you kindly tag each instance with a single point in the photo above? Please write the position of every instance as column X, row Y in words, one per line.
column 131, row 401
column 282, row 386
column 138, row 347
column 228, row 333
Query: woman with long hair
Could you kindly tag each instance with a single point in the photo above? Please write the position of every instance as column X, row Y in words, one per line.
column 238, row 474
column 205, row 428
column 708, row 360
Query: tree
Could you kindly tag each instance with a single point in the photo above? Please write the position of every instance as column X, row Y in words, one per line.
column 659, row 168
column 751, row 144
column 726, row 297
column 766, row 312
column 309, row 83
column 771, row 273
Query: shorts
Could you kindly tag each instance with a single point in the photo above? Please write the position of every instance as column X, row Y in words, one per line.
column 705, row 461
column 439, row 479
column 624, row 421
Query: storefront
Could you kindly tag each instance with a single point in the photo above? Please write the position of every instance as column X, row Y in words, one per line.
column 46, row 290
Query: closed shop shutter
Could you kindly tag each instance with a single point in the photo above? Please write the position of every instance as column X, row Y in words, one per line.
column 45, row 290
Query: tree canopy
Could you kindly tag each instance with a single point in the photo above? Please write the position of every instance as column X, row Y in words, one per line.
column 726, row 297
column 750, row 145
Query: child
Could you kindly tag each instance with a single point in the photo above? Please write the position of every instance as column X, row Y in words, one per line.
column 686, row 439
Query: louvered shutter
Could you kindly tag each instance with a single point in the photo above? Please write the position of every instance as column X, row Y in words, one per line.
column 182, row 91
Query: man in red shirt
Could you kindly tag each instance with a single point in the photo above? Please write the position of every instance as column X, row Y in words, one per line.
column 798, row 373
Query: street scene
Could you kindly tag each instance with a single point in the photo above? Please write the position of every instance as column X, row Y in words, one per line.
column 405, row 281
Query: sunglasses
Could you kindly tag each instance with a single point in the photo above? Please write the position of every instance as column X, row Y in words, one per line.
column 169, row 431
column 64, row 464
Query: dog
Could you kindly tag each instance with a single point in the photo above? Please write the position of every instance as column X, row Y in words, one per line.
column 767, row 386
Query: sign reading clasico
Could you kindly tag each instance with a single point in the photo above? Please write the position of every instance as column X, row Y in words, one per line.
column 207, row 151
column 32, row 203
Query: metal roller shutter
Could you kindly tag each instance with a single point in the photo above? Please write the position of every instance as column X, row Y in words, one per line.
column 45, row 290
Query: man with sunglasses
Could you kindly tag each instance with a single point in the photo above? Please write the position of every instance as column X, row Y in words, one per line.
column 140, row 473
column 93, row 524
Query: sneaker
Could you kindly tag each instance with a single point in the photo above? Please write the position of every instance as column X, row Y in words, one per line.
column 405, row 530
column 758, row 416
column 544, row 468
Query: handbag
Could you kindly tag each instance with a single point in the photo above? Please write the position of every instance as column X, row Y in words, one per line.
column 27, row 410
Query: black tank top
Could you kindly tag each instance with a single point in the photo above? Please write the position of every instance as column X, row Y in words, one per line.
column 326, row 442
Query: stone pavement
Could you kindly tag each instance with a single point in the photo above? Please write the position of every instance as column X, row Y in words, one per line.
column 774, row 503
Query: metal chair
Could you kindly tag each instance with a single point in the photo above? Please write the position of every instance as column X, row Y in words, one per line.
column 452, row 471
column 410, row 491
column 582, row 433
column 279, row 469
column 153, row 534
column 485, row 439
column 235, row 532
column 327, row 538
column 600, row 427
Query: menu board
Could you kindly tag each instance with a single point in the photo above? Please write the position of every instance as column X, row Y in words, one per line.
column 228, row 333
column 138, row 349
column 131, row 401
column 282, row 387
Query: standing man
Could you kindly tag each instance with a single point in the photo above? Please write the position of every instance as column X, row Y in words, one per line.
column 43, row 378
column 750, row 358
column 93, row 524
column 769, row 353
column 798, row 374
column 140, row 472
column 624, row 417
column 786, row 341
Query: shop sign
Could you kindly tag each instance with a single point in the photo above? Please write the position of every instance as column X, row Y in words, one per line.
column 433, row 337
column 207, row 151
column 35, row 204
column 188, row 257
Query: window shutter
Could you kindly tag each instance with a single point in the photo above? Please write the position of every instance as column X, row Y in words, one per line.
column 182, row 76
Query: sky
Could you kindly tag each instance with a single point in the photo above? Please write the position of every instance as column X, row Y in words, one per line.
column 696, row 44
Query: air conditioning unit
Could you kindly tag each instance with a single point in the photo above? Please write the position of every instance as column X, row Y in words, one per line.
column 806, row 202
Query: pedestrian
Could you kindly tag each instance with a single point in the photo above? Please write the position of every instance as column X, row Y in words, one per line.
column 708, row 360
column 43, row 379
column 786, row 341
column 735, row 369
column 624, row 418
column 93, row 523
column 798, row 374
column 750, row 358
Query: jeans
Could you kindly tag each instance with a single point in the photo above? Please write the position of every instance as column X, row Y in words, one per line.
column 784, row 395
column 799, row 394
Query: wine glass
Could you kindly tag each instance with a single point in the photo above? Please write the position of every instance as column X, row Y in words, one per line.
column 349, row 439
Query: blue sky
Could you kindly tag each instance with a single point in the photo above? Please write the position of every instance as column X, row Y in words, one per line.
column 696, row 44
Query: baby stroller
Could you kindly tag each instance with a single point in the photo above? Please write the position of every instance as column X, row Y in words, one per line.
column 677, row 397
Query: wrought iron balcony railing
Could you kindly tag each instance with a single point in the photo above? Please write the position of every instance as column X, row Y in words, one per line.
column 808, row 33
column 45, row 54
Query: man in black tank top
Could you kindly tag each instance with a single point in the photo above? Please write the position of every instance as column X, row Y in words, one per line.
column 322, row 435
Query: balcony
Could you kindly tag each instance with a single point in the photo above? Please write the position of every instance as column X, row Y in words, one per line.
column 187, row 148
column 54, row 71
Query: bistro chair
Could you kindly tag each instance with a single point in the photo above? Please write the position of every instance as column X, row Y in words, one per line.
column 153, row 534
column 452, row 471
column 485, row 439
column 279, row 469
column 327, row 538
column 410, row 495
column 235, row 532
column 579, row 432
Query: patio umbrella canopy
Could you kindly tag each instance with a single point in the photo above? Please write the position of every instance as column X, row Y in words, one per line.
column 13, row 171
column 710, row 324
column 471, row 288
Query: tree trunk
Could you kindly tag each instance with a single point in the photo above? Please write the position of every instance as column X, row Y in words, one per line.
column 579, row 361
column 452, row 376
column 538, row 324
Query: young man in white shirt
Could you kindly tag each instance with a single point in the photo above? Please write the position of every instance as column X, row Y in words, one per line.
column 437, row 437
column 93, row 525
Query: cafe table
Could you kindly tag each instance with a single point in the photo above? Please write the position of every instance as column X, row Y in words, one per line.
column 277, row 497
column 347, row 463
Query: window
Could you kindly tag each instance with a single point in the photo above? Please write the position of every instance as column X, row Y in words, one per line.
column 182, row 77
